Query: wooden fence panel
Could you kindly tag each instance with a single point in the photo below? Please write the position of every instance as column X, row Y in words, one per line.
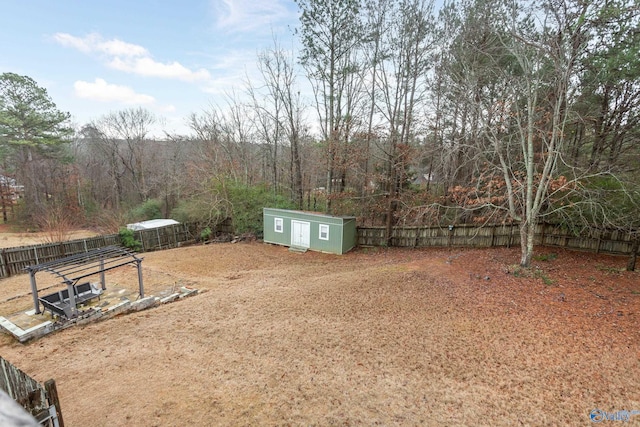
column 20, row 258
column 433, row 236
column 15, row 260
column 163, row 238
column 371, row 236
column 22, row 388
column 614, row 242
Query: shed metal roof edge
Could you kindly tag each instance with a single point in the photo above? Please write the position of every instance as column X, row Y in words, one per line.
column 318, row 214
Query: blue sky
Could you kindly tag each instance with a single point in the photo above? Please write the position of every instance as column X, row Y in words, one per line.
column 171, row 57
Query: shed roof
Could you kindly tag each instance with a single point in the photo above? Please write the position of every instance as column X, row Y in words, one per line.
column 319, row 214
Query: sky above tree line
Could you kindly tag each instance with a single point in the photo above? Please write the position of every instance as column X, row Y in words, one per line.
column 172, row 58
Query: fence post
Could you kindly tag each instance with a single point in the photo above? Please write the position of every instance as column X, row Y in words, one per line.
column 52, row 395
column 175, row 238
column 5, row 263
column 493, row 236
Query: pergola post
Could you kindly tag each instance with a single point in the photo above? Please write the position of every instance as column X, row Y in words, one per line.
column 34, row 291
column 72, row 298
column 102, row 279
column 79, row 266
column 139, row 263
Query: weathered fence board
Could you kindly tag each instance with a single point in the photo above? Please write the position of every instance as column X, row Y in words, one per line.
column 595, row 240
column 22, row 388
column 462, row 235
column 39, row 401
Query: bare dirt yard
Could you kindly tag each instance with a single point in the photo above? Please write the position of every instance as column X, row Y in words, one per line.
column 10, row 238
column 374, row 337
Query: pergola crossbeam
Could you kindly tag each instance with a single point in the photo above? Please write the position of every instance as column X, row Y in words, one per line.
column 76, row 267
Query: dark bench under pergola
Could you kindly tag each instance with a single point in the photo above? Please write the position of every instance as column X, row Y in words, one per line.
column 74, row 268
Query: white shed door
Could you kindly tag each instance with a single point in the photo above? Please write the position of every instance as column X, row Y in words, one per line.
column 300, row 234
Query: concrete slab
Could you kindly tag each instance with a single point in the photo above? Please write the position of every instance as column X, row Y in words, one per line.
column 27, row 325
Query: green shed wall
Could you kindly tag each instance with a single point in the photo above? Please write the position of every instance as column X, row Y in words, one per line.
column 342, row 231
column 349, row 234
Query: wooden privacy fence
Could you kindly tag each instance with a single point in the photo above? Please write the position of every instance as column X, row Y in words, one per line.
column 38, row 400
column 15, row 260
column 596, row 240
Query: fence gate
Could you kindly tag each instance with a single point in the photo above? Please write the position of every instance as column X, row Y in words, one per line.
column 38, row 400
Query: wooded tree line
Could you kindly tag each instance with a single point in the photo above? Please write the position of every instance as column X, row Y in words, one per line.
column 501, row 111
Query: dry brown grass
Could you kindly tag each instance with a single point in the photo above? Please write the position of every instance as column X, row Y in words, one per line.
column 374, row 337
column 26, row 238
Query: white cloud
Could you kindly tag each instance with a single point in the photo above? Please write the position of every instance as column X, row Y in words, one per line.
column 249, row 15
column 95, row 43
column 100, row 90
column 67, row 40
column 169, row 108
column 222, row 85
column 117, row 47
column 148, row 67
column 130, row 58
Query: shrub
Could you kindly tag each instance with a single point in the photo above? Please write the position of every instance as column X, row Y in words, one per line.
column 205, row 210
column 247, row 203
column 225, row 198
column 150, row 209
column 205, row 234
column 128, row 240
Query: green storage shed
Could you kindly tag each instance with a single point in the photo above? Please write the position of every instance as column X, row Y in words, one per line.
column 306, row 230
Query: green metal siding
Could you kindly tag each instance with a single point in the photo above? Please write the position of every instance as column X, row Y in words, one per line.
column 349, row 235
column 270, row 235
column 342, row 231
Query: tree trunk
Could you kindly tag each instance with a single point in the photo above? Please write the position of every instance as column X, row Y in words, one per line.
column 527, row 236
column 391, row 208
column 631, row 265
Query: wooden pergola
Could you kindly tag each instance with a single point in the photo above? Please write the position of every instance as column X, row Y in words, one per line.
column 76, row 267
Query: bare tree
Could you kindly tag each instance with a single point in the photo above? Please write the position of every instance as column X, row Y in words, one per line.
column 406, row 55
column 279, row 67
column 225, row 137
column 123, row 138
column 525, row 142
column 280, row 113
column 269, row 110
column 331, row 35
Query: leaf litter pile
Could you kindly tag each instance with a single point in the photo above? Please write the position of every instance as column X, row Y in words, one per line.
column 373, row 337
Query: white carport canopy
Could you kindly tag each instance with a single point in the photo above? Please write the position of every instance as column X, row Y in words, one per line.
column 151, row 224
